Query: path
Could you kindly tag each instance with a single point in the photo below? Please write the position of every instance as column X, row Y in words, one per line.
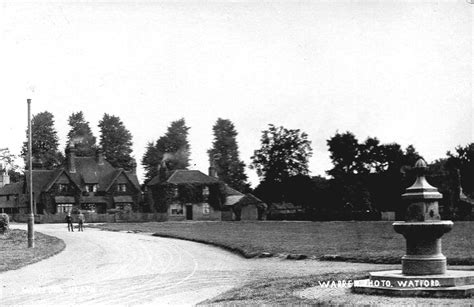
column 114, row 268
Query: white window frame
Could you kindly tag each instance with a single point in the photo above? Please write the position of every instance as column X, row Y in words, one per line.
column 206, row 209
column 63, row 208
column 177, row 209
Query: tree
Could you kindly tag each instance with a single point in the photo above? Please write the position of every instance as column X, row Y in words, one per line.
column 225, row 153
column 284, row 153
column 80, row 135
column 172, row 148
column 44, row 141
column 463, row 159
column 8, row 164
column 116, row 142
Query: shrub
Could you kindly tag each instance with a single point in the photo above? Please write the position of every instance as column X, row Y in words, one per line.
column 4, row 223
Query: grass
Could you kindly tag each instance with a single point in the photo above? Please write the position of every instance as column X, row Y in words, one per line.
column 358, row 241
column 14, row 251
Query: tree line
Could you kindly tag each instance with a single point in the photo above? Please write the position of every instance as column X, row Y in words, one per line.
column 366, row 176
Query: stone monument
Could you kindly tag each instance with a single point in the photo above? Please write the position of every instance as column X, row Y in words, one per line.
column 424, row 272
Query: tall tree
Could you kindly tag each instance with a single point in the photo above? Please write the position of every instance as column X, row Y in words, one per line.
column 225, row 153
column 172, row 148
column 116, row 142
column 80, row 135
column 284, row 153
column 44, row 141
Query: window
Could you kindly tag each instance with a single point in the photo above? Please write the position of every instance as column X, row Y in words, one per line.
column 176, row 209
column 89, row 207
column 64, row 208
column 205, row 193
column 206, row 209
column 63, row 187
column 91, row 187
column 121, row 187
column 175, row 192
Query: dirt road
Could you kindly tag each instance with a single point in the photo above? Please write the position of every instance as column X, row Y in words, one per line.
column 112, row 268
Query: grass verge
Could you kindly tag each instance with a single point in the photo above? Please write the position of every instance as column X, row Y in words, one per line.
column 358, row 241
column 14, row 251
column 288, row 291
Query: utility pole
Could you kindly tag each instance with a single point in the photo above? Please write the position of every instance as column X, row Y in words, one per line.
column 31, row 217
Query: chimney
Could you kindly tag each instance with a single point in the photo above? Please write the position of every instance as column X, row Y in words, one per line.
column 99, row 157
column 163, row 171
column 4, row 178
column 37, row 163
column 212, row 167
column 71, row 156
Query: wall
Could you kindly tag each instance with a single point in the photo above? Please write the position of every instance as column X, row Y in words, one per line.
column 249, row 213
column 94, row 217
column 198, row 214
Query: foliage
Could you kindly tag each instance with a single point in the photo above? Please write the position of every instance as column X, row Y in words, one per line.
column 9, row 165
column 369, row 176
column 225, row 153
column 4, row 223
column 173, row 149
column 163, row 194
column 116, row 142
column 463, row 159
column 284, row 153
column 44, row 141
column 80, row 135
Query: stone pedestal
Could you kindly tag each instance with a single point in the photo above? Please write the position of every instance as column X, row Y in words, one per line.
column 424, row 270
column 423, row 246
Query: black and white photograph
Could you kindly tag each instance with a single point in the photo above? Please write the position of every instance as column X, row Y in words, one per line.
column 236, row 153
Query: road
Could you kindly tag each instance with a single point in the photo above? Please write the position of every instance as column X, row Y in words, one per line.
column 115, row 268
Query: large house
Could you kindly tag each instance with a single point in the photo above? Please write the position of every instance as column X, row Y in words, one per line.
column 83, row 183
column 193, row 195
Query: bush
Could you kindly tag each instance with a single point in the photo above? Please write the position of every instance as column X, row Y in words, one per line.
column 4, row 223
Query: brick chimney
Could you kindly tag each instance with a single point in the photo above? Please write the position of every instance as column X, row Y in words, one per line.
column 71, row 156
column 99, row 157
column 212, row 167
column 4, row 178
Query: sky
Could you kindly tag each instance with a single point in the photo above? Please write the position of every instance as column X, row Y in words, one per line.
column 400, row 71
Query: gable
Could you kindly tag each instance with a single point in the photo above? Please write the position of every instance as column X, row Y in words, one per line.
column 122, row 179
column 63, row 179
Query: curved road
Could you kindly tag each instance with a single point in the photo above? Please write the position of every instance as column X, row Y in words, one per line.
column 115, row 268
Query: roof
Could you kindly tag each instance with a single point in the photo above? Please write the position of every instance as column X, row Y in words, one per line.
column 42, row 179
column 185, row 176
column 12, row 189
column 93, row 199
column 89, row 171
column 123, row 199
column 64, row 199
column 229, row 191
column 232, row 199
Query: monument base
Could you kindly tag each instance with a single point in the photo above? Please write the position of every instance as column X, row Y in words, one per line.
column 452, row 284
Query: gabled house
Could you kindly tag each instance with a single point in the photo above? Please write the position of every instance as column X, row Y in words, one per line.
column 10, row 198
column 86, row 183
column 193, row 195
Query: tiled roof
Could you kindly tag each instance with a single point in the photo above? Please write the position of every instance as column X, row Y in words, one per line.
column 12, row 189
column 229, row 191
column 88, row 171
column 193, row 176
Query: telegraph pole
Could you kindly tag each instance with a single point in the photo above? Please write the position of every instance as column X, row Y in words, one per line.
column 31, row 217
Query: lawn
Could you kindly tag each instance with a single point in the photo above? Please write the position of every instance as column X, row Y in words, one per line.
column 373, row 242
column 14, row 251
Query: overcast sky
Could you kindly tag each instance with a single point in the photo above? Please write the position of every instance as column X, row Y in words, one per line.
column 398, row 71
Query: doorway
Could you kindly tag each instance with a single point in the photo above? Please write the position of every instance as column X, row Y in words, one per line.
column 189, row 212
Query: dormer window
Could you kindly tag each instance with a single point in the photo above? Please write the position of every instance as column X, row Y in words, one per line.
column 91, row 187
column 121, row 187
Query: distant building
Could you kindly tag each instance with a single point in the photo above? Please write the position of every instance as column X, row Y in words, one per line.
column 86, row 183
column 193, row 195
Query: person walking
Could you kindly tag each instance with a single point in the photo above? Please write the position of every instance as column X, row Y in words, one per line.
column 70, row 227
column 81, row 219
